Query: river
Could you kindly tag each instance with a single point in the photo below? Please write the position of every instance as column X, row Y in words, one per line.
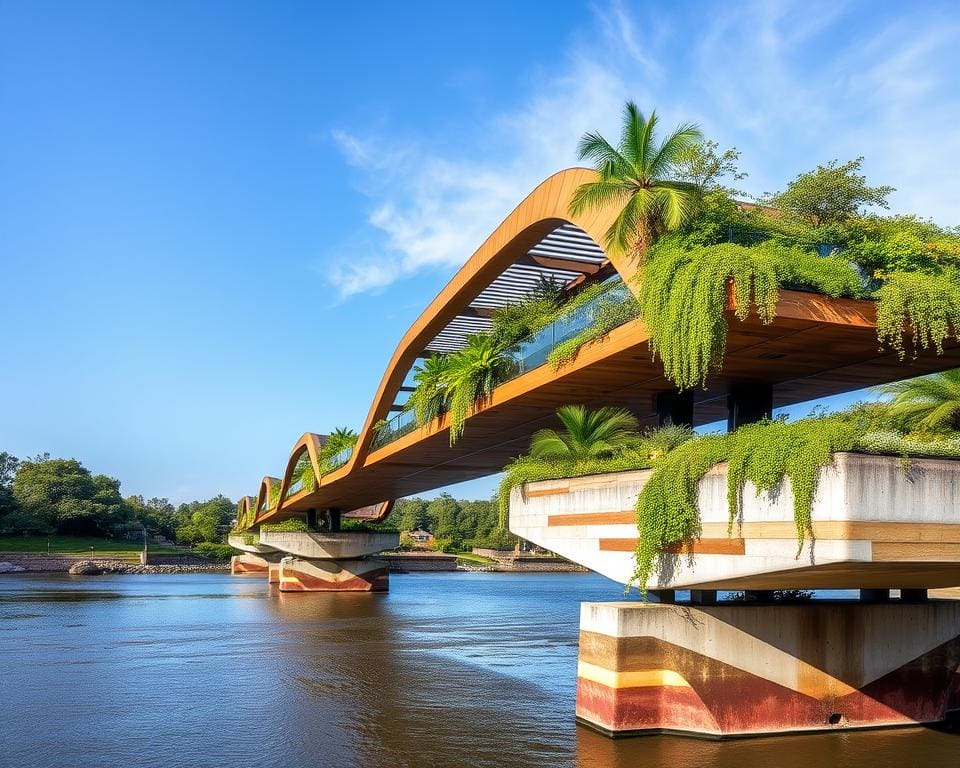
column 452, row 669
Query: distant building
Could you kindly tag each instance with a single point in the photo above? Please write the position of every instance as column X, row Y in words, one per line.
column 421, row 539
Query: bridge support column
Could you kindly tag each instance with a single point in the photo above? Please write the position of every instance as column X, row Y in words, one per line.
column 258, row 564
column 675, row 408
column 298, row 574
column 747, row 403
column 740, row 669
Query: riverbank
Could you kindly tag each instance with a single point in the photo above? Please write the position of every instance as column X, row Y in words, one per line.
column 32, row 562
column 430, row 561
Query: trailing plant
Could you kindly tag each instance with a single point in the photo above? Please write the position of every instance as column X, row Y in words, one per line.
column 925, row 307
column 474, row 372
column 273, row 498
column 684, row 295
column 291, row 525
column 769, row 451
column 667, row 512
column 764, row 453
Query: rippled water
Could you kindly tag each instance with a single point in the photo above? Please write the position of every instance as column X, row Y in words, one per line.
column 463, row 669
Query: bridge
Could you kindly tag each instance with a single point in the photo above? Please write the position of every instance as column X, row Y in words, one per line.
column 816, row 347
column 648, row 667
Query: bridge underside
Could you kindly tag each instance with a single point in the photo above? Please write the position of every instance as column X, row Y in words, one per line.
column 816, row 347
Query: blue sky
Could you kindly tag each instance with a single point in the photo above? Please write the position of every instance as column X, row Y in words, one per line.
column 218, row 218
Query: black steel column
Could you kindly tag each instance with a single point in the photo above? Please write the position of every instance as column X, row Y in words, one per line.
column 312, row 519
column 664, row 595
column 333, row 516
column 748, row 403
column 675, row 408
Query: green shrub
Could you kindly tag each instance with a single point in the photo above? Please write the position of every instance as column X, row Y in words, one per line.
column 214, row 551
column 291, row 525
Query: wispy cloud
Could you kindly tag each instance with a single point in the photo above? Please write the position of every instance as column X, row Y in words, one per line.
column 791, row 88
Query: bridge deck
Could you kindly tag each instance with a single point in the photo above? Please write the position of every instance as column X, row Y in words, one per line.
column 815, row 347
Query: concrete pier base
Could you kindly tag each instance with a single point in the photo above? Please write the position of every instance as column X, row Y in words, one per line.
column 249, row 563
column 739, row 670
column 310, row 575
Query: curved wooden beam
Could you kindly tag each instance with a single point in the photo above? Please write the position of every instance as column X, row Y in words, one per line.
column 263, row 495
column 309, row 442
column 542, row 211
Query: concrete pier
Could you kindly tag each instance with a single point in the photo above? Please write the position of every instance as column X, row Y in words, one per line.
column 738, row 670
column 249, row 563
column 313, row 561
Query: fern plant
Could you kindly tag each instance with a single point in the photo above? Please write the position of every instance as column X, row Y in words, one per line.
column 474, row 372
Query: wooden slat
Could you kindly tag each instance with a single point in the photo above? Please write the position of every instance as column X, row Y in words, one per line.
column 825, row 530
column 698, row 547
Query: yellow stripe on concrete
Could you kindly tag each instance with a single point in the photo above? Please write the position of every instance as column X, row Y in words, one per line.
column 640, row 678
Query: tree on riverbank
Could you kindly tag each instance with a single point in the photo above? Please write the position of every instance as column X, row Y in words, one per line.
column 43, row 496
column 457, row 524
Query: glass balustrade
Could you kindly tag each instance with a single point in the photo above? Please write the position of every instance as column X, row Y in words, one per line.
column 528, row 355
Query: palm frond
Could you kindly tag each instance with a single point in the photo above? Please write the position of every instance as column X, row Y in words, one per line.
column 597, row 194
column 635, row 135
column 608, row 162
column 685, row 137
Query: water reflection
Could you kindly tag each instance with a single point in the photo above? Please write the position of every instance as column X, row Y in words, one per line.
column 445, row 670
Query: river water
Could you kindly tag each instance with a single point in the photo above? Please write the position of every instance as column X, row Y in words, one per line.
column 460, row 669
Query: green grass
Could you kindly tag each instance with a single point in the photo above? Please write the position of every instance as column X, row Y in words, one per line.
column 80, row 546
column 477, row 559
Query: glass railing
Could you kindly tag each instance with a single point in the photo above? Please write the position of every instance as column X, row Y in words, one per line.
column 529, row 354
column 339, row 459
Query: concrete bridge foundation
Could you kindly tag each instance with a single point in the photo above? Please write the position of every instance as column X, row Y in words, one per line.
column 297, row 574
column 254, row 563
column 740, row 669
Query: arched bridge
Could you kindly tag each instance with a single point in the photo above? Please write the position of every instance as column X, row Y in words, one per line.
column 815, row 347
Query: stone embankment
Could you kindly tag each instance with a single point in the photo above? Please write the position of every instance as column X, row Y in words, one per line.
column 100, row 567
column 42, row 563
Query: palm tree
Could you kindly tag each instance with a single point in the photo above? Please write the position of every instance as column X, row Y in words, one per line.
column 474, row 372
column 430, row 397
column 636, row 176
column 931, row 402
column 586, row 434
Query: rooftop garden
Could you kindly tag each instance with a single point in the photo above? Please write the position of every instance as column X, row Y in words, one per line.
column 693, row 243
column 920, row 418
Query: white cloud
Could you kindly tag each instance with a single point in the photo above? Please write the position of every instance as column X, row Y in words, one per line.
column 789, row 86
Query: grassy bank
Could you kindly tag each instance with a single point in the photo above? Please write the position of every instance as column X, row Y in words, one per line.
column 79, row 546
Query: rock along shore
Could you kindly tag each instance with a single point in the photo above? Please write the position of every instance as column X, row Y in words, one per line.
column 101, row 567
column 12, row 563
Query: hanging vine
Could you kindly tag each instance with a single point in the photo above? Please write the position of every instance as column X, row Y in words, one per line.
column 924, row 307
